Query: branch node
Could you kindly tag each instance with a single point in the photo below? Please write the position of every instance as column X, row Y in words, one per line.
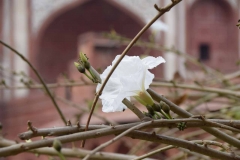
column 69, row 123
column 97, row 133
column 78, row 125
column 157, row 8
column 32, row 128
column 154, row 133
column 51, row 133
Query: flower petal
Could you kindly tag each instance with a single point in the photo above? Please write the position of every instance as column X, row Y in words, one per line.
column 112, row 88
column 152, row 62
column 129, row 79
column 128, row 65
column 114, row 105
column 148, row 79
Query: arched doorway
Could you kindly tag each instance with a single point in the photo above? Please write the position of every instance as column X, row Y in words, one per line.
column 212, row 34
column 57, row 40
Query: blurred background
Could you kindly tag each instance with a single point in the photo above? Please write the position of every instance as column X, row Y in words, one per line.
column 51, row 33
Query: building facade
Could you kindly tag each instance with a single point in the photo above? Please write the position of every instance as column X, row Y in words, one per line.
column 50, row 34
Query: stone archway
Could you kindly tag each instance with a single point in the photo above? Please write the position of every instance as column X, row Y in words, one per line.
column 212, row 34
column 56, row 43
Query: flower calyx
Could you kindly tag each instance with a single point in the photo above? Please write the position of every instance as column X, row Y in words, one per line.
column 144, row 98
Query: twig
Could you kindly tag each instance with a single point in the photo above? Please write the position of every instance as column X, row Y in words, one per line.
column 32, row 128
column 53, row 85
column 194, row 87
column 58, row 131
column 216, row 124
column 78, row 153
column 204, row 142
column 115, row 139
column 134, row 40
column 18, row 148
column 208, row 97
column 40, row 78
column 214, row 143
column 154, row 152
column 191, row 122
column 135, row 110
column 221, row 135
column 183, row 144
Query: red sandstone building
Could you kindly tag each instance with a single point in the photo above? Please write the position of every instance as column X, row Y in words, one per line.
column 51, row 33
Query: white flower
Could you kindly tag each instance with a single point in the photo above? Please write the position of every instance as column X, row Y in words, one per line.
column 130, row 78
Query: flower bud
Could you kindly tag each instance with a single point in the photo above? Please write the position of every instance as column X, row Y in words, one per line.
column 150, row 111
column 165, row 107
column 80, row 68
column 156, row 107
column 84, row 60
column 57, row 145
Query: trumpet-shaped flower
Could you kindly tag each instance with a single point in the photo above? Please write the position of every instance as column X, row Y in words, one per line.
column 130, row 79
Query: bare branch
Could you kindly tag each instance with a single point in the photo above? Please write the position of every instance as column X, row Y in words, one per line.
column 191, row 122
column 78, row 153
column 221, row 135
column 40, row 78
column 18, row 148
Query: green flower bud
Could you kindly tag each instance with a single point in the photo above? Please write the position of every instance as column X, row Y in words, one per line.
column 165, row 107
column 150, row 111
column 57, row 145
column 84, row 60
column 80, row 68
column 156, row 107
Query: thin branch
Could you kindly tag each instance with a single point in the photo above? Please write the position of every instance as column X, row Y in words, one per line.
column 193, row 147
column 77, row 153
column 135, row 110
column 40, row 78
column 154, row 152
column 191, row 122
column 115, row 139
column 134, row 40
column 221, row 135
column 204, row 142
column 215, row 124
column 214, row 143
column 53, row 85
column 58, row 131
column 18, row 148
column 197, row 88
